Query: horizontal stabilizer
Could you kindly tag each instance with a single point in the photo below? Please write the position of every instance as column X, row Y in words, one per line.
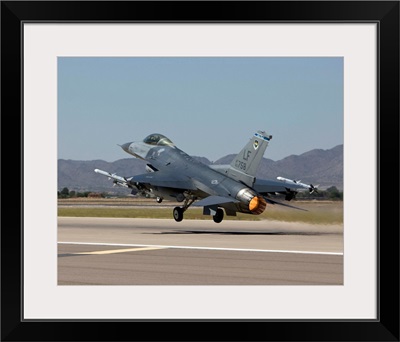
column 214, row 200
column 270, row 201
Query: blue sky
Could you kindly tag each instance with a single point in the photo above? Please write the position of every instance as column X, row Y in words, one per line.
column 208, row 107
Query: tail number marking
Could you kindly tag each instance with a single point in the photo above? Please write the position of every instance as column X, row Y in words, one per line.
column 240, row 165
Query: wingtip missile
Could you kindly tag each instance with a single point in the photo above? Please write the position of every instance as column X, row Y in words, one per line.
column 112, row 176
column 286, row 180
column 102, row 172
column 311, row 188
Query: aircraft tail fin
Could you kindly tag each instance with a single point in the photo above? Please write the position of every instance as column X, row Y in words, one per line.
column 245, row 165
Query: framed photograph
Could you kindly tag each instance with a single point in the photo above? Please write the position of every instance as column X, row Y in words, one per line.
column 47, row 45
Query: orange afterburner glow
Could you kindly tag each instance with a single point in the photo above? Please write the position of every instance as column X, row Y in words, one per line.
column 257, row 205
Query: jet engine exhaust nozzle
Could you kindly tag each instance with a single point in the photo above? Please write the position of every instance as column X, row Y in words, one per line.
column 257, row 205
column 254, row 204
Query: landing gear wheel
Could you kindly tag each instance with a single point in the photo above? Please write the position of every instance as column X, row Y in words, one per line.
column 159, row 199
column 219, row 216
column 178, row 214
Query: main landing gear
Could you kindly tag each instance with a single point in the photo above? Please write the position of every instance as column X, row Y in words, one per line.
column 178, row 212
column 219, row 216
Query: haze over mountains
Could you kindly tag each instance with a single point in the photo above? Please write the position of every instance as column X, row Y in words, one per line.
column 323, row 167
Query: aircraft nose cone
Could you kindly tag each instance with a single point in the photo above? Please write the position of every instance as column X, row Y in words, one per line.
column 125, row 146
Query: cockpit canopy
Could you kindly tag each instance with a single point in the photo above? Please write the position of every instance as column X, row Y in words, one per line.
column 158, row 140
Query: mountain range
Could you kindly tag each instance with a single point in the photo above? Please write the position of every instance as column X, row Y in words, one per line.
column 318, row 166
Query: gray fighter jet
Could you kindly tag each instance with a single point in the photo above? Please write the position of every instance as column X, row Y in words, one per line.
column 174, row 175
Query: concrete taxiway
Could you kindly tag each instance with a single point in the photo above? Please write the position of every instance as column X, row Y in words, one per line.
column 121, row 251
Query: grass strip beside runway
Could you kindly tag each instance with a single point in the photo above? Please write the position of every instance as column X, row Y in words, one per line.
column 316, row 214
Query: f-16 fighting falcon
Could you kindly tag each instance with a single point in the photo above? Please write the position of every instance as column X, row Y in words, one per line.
column 174, row 175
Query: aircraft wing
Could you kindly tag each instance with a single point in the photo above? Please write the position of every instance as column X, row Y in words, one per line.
column 164, row 179
column 264, row 186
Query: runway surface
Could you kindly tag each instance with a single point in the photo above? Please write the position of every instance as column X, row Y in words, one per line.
column 121, row 251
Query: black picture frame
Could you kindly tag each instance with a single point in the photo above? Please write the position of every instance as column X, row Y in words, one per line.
column 384, row 13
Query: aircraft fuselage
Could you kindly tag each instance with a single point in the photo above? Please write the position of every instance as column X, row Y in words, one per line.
column 206, row 180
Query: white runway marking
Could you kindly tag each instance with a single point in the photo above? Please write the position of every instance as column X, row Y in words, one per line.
column 193, row 247
column 114, row 251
